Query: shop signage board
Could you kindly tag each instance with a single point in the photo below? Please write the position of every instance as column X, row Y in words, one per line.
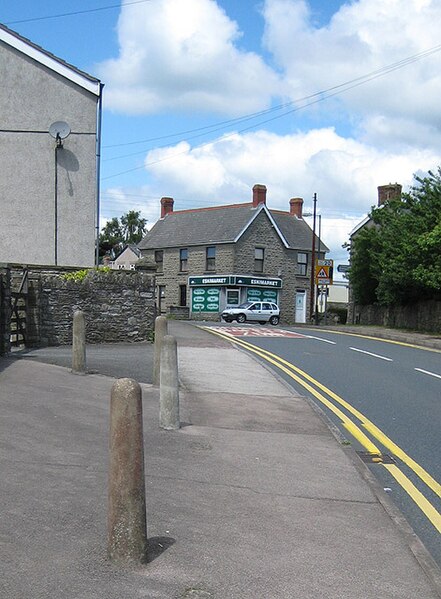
column 235, row 280
column 205, row 299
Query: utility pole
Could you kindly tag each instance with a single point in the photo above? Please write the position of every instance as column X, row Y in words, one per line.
column 312, row 291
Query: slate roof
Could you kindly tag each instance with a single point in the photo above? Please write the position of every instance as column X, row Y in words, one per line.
column 12, row 38
column 223, row 224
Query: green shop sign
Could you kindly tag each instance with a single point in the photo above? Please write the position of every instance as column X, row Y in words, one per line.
column 205, row 299
column 235, row 280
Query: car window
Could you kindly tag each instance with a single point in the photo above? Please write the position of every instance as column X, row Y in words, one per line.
column 274, row 307
column 254, row 307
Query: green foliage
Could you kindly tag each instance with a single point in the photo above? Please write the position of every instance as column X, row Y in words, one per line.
column 117, row 232
column 397, row 258
column 79, row 276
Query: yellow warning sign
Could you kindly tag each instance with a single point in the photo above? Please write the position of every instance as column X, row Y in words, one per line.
column 323, row 272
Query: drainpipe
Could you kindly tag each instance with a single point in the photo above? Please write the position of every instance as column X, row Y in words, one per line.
column 98, row 173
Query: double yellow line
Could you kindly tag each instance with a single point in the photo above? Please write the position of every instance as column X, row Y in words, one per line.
column 307, row 382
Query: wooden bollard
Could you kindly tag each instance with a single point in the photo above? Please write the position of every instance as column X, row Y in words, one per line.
column 160, row 332
column 79, row 343
column 169, row 385
column 127, row 523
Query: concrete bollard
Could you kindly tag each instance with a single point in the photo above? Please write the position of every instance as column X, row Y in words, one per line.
column 79, row 343
column 160, row 332
column 169, row 385
column 127, row 526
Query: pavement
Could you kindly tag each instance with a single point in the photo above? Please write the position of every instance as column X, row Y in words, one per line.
column 254, row 497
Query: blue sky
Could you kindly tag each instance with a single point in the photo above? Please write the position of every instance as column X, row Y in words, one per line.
column 359, row 84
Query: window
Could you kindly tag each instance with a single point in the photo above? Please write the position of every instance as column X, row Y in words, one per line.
column 210, row 261
column 159, row 260
column 302, row 262
column 183, row 259
column 258, row 259
column 182, row 295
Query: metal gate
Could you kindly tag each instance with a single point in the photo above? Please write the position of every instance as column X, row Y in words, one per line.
column 19, row 310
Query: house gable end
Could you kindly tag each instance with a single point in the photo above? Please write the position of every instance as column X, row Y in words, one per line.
column 50, row 61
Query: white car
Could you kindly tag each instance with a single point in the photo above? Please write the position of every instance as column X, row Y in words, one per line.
column 254, row 312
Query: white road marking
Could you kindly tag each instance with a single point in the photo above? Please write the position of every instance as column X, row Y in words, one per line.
column 362, row 351
column 320, row 339
column 438, row 376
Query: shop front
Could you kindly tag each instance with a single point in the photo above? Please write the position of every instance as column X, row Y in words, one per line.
column 210, row 295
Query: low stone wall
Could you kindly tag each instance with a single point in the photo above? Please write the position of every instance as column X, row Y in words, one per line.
column 118, row 306
column 423, row 316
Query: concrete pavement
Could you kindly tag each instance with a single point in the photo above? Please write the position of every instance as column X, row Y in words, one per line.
column 253, row 498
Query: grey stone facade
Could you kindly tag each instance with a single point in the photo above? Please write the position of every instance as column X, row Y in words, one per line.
column 47, row 193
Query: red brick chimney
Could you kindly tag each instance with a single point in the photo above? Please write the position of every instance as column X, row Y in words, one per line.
column 296, row 206
column 166, row 206
column 388, row 192
column 259, row 195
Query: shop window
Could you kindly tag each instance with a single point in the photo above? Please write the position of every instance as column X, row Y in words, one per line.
column 210, row 261
column 183, row 260
column 302, row 263
column 159, row 260
column 259, row 254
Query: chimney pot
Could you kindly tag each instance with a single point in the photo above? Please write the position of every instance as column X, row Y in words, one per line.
column 166, row 206
column 259, row 195
column 296, row 207
column 389, row 192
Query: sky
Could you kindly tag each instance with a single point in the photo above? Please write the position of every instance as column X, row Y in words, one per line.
column 204, row 98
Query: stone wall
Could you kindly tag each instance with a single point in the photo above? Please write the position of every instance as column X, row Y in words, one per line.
column 118, row 306
column 423, row 316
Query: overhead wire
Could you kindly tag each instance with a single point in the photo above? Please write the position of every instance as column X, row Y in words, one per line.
column 76, row 12
column 316, row 98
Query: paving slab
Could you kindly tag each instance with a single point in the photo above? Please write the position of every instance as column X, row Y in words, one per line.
column 253, row 498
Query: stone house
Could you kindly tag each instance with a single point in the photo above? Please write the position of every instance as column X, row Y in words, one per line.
column 209, row 258
column 49, row 139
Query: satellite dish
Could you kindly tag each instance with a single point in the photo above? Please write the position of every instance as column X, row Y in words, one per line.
column 59, row 130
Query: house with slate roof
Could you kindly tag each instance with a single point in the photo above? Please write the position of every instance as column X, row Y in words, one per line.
column 210, row 258
column 49, row 137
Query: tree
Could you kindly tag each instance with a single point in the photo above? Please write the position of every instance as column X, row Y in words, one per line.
column 397, row 259
column 133, row 226
column 130, row 228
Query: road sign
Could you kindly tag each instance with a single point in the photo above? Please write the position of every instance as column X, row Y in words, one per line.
column 323, row 272
column 343, row 267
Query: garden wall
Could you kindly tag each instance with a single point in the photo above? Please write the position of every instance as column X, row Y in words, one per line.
column 119, row 305
column 422, row 316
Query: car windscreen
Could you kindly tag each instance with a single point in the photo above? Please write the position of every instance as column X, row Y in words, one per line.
column 245, row 305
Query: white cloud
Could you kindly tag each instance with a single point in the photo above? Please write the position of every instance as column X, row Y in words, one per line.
column 343, row 172
column 181, row 54
column 363, row 37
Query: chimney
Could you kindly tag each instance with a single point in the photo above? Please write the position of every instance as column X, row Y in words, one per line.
column 295, row 207
column 389, row 192
column 166, row 206
column 259, row 195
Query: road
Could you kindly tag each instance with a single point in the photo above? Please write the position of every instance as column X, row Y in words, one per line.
column 385, row 398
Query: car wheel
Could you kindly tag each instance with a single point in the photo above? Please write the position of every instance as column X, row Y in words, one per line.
column 274, row 320
column 241, row 318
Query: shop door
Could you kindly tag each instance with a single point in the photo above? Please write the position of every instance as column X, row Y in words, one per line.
column 300, row 305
